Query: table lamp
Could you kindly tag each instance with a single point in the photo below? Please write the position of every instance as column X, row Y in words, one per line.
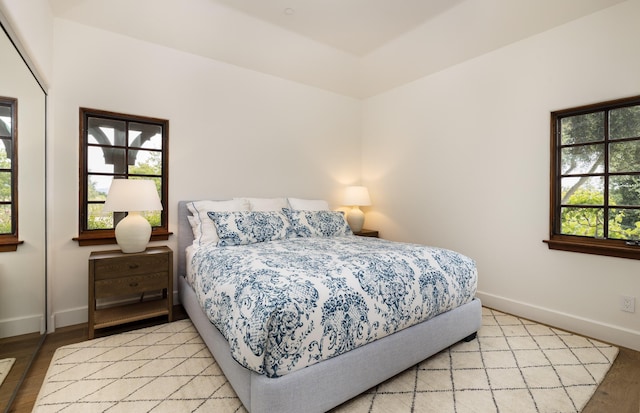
column 132, row 196
column 356, row 196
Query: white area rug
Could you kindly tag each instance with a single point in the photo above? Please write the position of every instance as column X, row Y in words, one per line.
column 5, row 367
column 514, row 366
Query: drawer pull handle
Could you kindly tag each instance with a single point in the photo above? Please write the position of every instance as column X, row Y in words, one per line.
column 133, row 266
column 133, row 284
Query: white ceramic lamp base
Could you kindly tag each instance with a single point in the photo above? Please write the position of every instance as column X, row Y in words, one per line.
column 355, row 219
column 133, row 233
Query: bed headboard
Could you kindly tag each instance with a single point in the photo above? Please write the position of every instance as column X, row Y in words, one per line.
column 185, row 236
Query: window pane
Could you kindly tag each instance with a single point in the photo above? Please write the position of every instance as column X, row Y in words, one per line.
column 5, row 120
column 5, row 186
column 624, row 156
column 97, row 219
column 624, row 123
column 106, row 132
column 145, row 162
column 583, row 191
column 582, row 159
column 98, row 187
column 582, row 128
column 582, row 221
column 145, row 136
column 624, row 190
column 154, row 217
column 5, row 125
column 624, row 224
column 5, row 154
column 5, row 219
column 106, row 159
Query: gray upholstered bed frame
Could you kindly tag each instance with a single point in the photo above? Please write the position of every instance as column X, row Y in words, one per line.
column 327, row 384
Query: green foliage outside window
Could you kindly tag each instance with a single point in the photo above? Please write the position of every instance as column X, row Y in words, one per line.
column 589, row 222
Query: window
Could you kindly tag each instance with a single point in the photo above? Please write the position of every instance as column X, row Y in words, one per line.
column 114, row 145
column 595, row 179
column 8, row 174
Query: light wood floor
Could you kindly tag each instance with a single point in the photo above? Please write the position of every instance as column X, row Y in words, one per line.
column 618, row 393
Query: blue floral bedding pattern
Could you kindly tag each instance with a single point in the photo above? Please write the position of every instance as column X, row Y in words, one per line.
column 286, row 304
column 317, row 223
column 248, row 227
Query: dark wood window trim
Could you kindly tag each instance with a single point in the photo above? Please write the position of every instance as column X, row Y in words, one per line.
column 9, row 241
column 88, row 236
column 582, row 244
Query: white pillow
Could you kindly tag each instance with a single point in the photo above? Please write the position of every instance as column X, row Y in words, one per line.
column 308, row 204
column 265, row 204
column 204, row 230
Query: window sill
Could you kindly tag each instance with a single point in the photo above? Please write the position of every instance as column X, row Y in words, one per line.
column 106, row 237
column 9, row 244
column 586, row 246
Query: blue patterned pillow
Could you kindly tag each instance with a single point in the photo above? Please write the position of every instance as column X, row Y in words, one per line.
column 318, row 223
column 248, row 227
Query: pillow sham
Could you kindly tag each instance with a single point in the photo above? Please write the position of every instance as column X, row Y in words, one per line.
column 204, row 230
column 318, row 223
column 249, row 227
column 308, row 204
column 266, row 204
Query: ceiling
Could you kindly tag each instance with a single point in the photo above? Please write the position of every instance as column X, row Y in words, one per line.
column 354, row 26
column 357, row 48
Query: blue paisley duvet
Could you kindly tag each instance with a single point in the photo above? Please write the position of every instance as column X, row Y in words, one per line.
column 284, row 305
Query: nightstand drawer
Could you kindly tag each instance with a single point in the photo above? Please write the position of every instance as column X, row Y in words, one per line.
column 127, row 266
column 130, row 285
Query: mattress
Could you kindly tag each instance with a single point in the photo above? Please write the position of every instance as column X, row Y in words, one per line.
column 287, row 304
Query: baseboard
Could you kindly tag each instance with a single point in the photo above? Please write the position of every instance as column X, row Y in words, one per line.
column 21, row 325
column 68, row 317
column 609, row 333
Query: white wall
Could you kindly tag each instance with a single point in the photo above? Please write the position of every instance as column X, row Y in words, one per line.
column 460, row 159
column 232, row 132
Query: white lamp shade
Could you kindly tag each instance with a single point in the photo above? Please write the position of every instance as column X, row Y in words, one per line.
column 356, row 195
column 132, row 195
column 128, row 195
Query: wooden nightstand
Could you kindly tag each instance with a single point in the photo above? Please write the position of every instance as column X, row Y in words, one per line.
column 114, row 274
column 367, row 233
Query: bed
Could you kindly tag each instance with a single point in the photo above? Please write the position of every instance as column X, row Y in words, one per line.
column 305, row 381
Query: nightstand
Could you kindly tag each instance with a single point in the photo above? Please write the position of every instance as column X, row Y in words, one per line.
column 367, row 233
column 114, row 274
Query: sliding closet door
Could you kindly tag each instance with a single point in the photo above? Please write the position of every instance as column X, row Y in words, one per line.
column 23, row 271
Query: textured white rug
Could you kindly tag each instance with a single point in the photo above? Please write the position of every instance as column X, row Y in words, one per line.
column 5, row 367
column 514, row 366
